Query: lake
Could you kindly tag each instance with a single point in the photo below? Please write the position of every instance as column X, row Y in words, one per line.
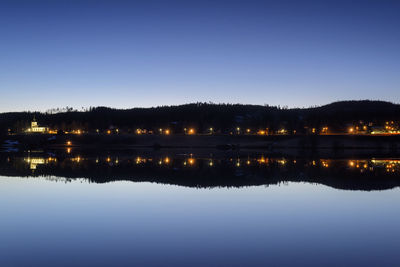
column 200, row 208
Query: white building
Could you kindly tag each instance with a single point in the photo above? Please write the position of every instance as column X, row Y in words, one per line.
column 35, row 128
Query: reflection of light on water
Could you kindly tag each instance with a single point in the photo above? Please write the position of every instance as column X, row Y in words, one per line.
column 358, row 165
column 51, row 159
column 391, row 165
column 34, row 162
column 281, row 161
column 76, row 159
column 140, row 160
column 325, row 163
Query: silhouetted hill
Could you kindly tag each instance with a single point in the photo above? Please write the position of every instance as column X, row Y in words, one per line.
column 222, row 117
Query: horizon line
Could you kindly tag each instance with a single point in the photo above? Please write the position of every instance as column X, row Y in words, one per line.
column 85, row 109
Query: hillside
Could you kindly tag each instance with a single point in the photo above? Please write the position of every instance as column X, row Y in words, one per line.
column 222, row 117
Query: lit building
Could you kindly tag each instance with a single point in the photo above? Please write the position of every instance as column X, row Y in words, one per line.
column 35, row 128
column 34, row 162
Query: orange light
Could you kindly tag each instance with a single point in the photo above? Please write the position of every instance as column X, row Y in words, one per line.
column 69, row 143
column 139, row 160
column 262, row 160
column 191, row 161
column 167, row 132
column 191, row 131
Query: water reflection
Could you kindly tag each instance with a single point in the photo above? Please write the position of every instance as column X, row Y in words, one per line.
column 146, row 224
column 33, row 162
column 210, row 170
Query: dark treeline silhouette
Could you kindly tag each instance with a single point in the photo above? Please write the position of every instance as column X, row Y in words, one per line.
column 223, row 173
column 202, row 116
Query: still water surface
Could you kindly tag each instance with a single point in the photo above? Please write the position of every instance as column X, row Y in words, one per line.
column 298, row 217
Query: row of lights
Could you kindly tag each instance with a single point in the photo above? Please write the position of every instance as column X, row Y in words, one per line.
column 389, row 165
column 261, row 160
column 192, row 131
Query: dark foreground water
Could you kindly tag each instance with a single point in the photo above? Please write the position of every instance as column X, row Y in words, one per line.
column 184, row 210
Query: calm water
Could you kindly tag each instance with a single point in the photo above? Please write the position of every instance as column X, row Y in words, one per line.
column 190, row 210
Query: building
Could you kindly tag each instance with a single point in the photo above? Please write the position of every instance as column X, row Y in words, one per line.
column 35, row 128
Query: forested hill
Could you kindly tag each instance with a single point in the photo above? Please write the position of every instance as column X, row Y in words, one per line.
column 201, row 116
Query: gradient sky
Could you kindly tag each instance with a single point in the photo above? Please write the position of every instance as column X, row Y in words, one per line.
column 148, row 53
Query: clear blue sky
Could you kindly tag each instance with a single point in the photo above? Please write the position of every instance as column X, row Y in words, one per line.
column 148, row 53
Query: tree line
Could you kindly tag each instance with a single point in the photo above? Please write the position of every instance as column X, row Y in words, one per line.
column 202, row 116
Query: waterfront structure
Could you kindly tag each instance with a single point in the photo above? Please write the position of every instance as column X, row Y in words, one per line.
column 35, row 128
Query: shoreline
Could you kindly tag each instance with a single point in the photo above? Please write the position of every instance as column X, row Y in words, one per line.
column 298, row 145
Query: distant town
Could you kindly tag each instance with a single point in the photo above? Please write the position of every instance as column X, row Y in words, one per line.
column 340, row 118
column 372, row 125
column 359, row 128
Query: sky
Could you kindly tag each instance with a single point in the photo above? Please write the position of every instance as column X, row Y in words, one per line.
column 126, row 54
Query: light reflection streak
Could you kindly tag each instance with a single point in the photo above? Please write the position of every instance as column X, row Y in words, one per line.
column 361, row 165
